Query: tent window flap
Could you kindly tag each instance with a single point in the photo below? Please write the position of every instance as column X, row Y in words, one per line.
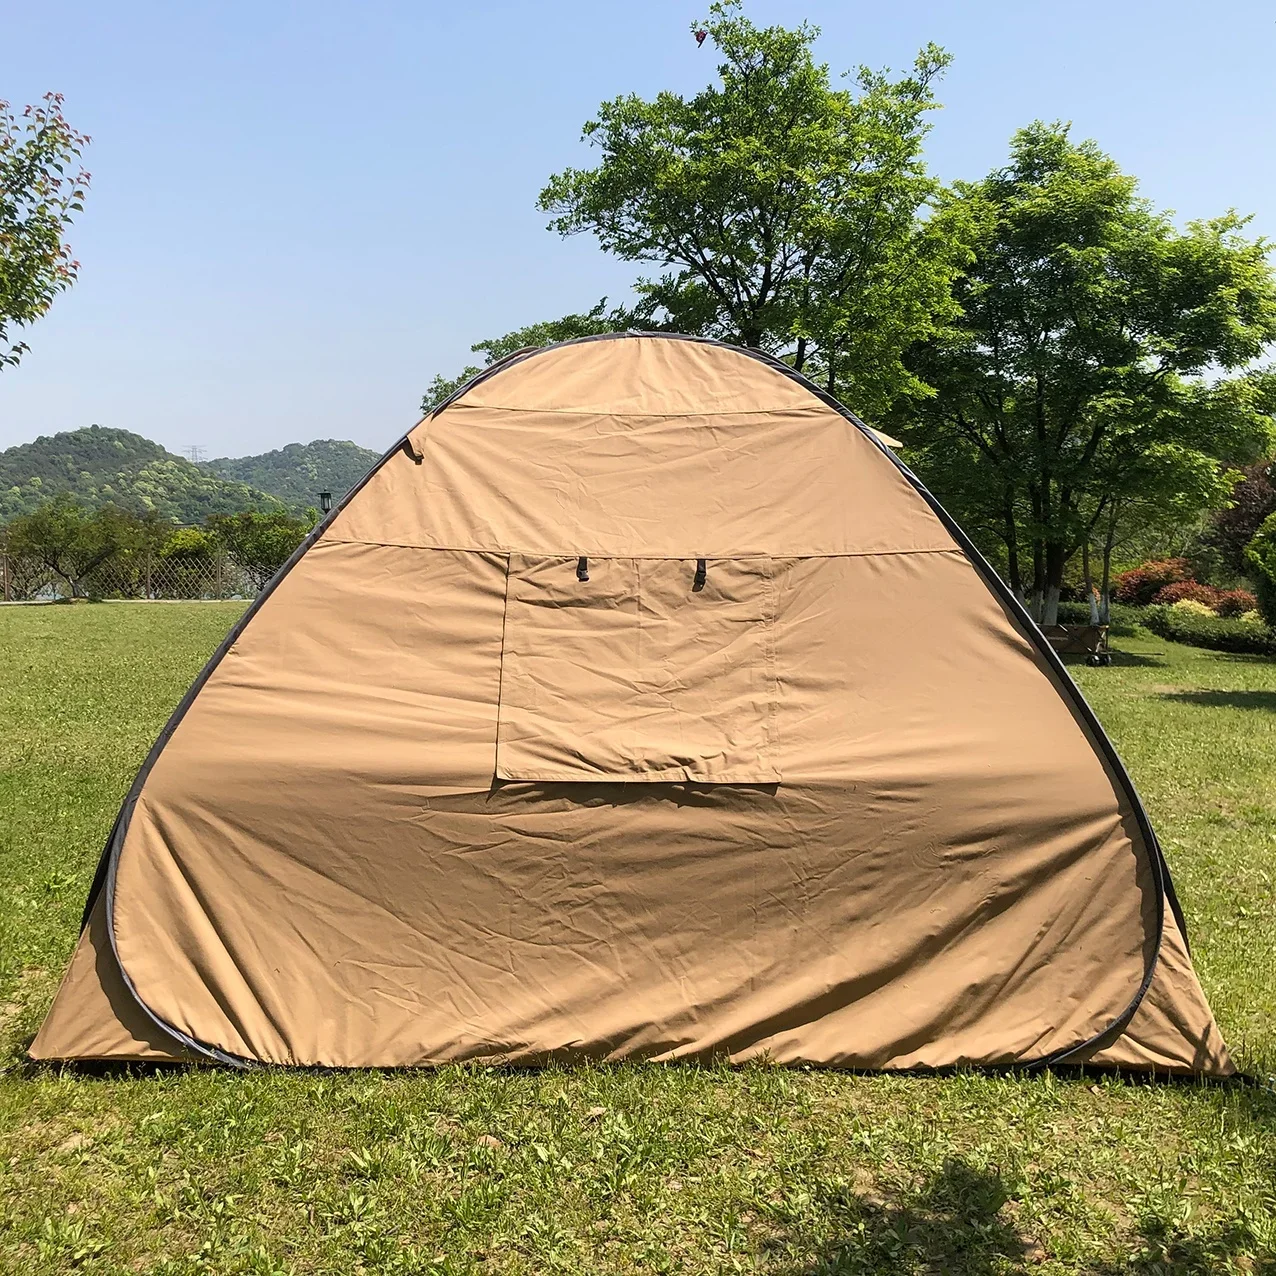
column 652, row 670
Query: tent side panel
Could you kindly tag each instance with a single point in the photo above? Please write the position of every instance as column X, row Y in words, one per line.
column 94, row 1016
column 321, row 870
column 1173, row 1029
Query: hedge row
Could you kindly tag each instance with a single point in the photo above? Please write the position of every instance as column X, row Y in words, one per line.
column 1214, row 632
column 1122, row 619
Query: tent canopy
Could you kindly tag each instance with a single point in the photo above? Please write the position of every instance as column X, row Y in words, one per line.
column 640, row 703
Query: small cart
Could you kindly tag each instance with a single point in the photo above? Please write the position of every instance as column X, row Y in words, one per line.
column 1090, row 641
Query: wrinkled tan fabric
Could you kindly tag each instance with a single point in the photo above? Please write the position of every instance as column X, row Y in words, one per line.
column 400, row 824
column 635, row 673
column 1173, row 1029
column 94, row 1015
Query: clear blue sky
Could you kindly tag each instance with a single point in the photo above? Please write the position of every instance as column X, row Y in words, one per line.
column 300, row 212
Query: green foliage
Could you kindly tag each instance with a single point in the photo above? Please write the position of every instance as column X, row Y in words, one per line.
column 783, row 212
column 1260, row 556
column 1231, row 529
column 100, row 466
column 189, row 543
column 1071, row 395
column 590, row 324
column 1183, row 623
column 261, row 542
column 74, row 542
column 38, row 200
column 297, row 473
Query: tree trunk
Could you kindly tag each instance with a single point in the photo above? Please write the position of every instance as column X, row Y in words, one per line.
column 1038, row 579
column 1056, row 561
column 799, row 357
column 1105, row 590
column 1010, row 535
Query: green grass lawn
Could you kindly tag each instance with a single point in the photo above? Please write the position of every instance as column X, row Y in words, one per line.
column 633, row 1169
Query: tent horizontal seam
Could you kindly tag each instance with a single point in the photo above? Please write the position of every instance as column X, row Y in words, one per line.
column 574, row 553
column 751, row 413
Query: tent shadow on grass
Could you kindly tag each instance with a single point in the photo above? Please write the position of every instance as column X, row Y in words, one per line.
column 1121, row 659
column 962, row 1222
column 1261, row 700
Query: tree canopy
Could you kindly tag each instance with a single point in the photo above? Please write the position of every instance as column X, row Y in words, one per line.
column 42, row 187
column 1081, row 377
column 73, row 542
column 261, row 542
column 783, row 212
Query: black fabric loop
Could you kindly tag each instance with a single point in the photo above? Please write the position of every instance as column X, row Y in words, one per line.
column 582, row 568
column 701, row 575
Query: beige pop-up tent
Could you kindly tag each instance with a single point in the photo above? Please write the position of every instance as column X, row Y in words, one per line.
column 640, row 703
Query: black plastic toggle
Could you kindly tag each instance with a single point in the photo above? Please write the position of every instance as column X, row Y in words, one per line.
column 582, row 568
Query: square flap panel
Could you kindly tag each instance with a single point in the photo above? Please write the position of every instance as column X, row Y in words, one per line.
column 645, row 671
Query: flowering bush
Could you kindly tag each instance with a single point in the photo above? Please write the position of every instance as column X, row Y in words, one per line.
column 1188, row 590
column 1141, row 584
column 1194, row 607
column 1254, row 617
column 1234, row 602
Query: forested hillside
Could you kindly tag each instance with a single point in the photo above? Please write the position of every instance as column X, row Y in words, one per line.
column 99, row 466
column 296, row 474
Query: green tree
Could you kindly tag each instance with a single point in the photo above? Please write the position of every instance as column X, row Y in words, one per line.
column 39, row 152
column 1260, row 557
column 1222, row 545
column 261, row 542
column 1076, row 375
column 589, row 324
column 73, row 542
column 783, row 212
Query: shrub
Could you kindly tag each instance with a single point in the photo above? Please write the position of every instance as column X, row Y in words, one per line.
column 1254, row 617
column 188, row 543
column 1121, row 619
column 1235, row 602
column 1187, row 591
column 1193, row 606
column 1141, row 584
column 1182, row 623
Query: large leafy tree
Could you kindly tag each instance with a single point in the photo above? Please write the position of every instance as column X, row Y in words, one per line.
column 42, row 187
column 73, row 542
column 261, row 541
column 1075, row 380
column 782, row 212
column 1224, row 541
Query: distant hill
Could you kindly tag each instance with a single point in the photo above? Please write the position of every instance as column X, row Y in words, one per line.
column 101, row 466
column 296, row 474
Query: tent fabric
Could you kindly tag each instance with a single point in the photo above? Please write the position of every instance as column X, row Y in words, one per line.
column 641, row 705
